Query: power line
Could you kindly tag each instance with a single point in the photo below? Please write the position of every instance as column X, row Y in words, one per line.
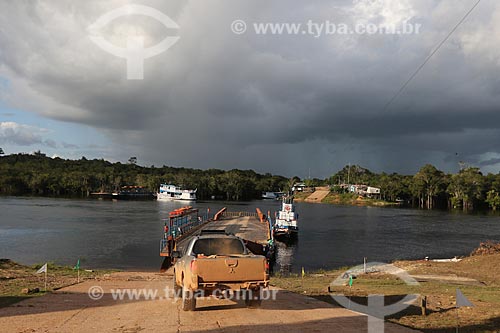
column 429, row 57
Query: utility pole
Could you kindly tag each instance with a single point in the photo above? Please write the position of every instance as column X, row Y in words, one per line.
column 348, row 174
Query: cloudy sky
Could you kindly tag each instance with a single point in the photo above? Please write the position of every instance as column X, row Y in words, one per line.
column 280, row 103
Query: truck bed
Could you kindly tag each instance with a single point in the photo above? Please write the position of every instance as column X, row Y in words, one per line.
column 220, row 269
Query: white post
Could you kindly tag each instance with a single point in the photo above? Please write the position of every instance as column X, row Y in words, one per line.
column 364, row 265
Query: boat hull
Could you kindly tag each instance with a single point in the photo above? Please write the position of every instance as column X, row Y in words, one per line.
column 286, row 236
column 173, row 199
column 128, row 196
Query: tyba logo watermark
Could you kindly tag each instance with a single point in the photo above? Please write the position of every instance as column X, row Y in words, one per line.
column 134, row 53
column 376, row 309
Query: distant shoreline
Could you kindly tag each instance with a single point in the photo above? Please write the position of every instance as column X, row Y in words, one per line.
column 338, row 199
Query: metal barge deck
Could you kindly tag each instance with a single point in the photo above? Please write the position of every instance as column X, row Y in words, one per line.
column 182, row 224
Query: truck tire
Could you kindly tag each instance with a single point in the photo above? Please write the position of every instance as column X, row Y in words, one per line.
column 252, row 298
column 188, row 300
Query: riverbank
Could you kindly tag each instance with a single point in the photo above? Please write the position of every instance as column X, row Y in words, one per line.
column 355, row 200
column 343, row 199
column 477, row 276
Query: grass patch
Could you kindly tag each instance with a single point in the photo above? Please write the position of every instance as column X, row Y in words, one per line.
column 354, row 199
column 301, row 196
column 19, row 282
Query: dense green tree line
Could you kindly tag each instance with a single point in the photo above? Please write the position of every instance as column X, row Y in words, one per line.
column 40, row 175
column 429, row 187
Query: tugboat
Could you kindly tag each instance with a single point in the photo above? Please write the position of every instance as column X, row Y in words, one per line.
column 286, row 226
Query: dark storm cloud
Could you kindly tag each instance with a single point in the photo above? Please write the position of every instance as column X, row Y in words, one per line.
column 274, row 103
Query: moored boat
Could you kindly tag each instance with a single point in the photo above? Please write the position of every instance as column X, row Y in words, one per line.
column 286, row 225
column 272, row 195
column 173, row 192
column 133, row 193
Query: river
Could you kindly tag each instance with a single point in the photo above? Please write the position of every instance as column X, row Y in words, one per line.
column 125, row 234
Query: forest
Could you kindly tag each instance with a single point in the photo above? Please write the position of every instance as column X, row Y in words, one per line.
column 429, row 188
column 37, row 174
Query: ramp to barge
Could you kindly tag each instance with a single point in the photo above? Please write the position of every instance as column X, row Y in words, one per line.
column 186, row 222
column 245, row 227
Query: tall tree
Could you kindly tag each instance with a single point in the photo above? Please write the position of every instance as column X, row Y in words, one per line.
column 352, row 174
column 465, row 188
column 429, row 182
column 493, row 199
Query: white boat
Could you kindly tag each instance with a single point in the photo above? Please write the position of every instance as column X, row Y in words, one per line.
column 286, row 224
column 272, row 195
column 173, row 192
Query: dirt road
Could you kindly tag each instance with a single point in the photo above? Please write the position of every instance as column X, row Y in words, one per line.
column 318, row 195
column 72, row 310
